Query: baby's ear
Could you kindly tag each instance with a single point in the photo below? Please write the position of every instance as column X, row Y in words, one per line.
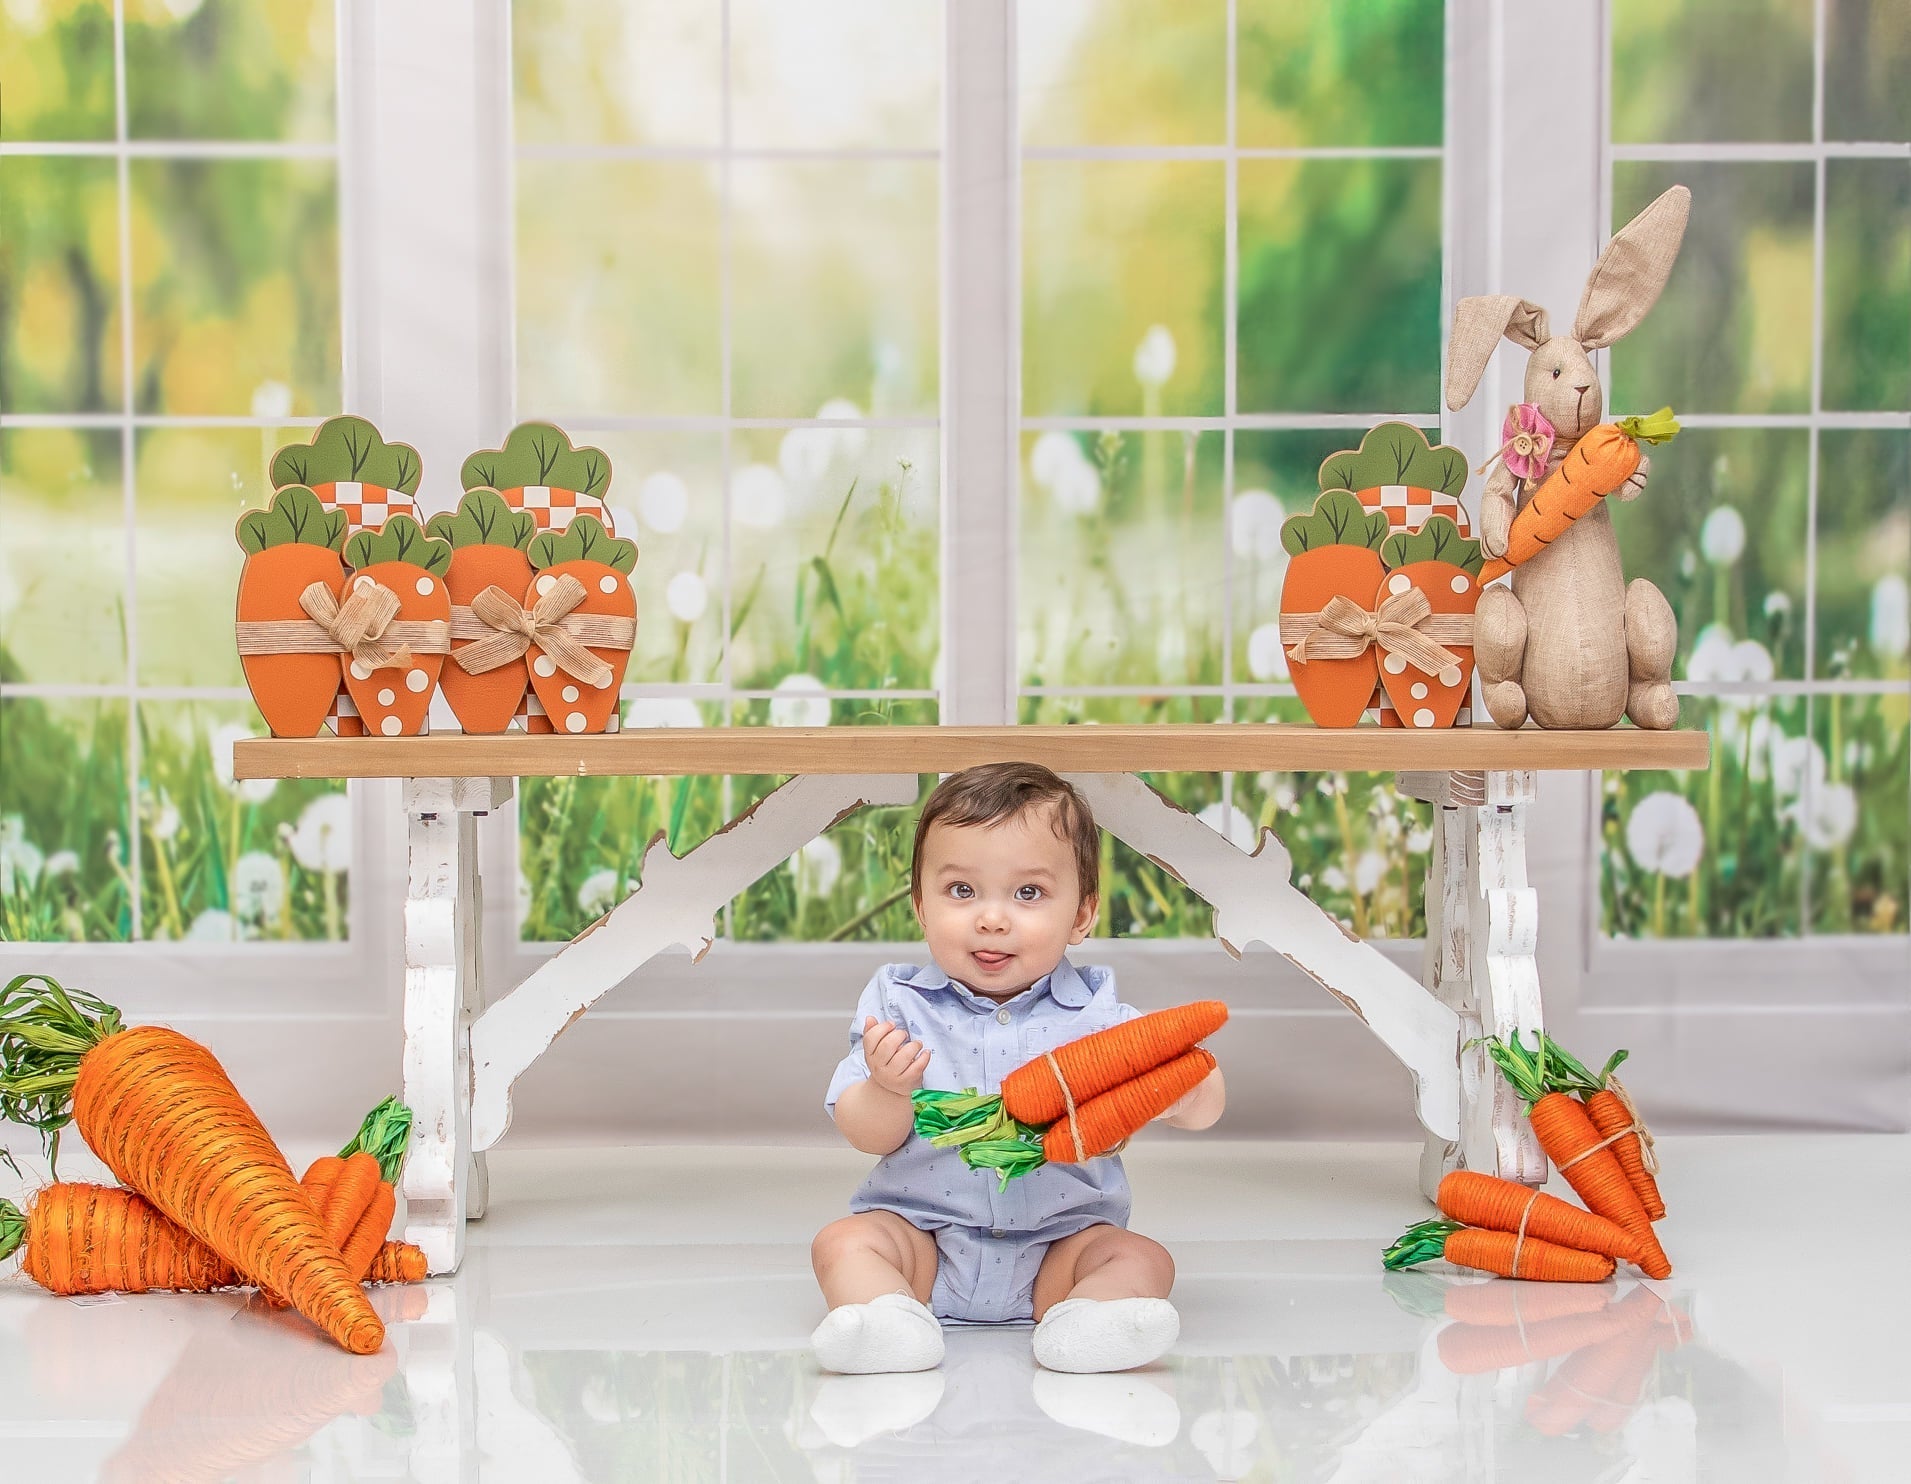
column 1085, row 917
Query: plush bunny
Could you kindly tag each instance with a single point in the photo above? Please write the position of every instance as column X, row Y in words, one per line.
column 1571, row 644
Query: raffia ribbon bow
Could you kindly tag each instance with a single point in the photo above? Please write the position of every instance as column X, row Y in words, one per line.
column 1404, row 624
column 504, row 629
column 359, row 627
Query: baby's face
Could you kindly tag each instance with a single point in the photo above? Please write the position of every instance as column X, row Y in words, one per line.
column 1000, row 903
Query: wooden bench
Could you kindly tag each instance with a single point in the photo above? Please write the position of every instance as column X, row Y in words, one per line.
column 465, row 1048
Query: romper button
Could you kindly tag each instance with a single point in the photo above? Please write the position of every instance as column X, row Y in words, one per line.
column 997, row 1232
column 1002, row 1017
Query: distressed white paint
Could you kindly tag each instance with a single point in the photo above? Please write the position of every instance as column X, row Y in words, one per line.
column 1505, row 927
column 676, row 903
column 1448, row 962
column 1255, row 900
column 444, row 912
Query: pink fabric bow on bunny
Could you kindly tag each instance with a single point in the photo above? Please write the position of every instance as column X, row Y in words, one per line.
column 1526, row 442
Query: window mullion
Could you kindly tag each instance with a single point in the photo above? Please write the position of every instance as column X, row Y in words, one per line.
column 981, row 362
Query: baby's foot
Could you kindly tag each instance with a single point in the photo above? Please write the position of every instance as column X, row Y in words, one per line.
column 1105, row 1334
column 893, row 1332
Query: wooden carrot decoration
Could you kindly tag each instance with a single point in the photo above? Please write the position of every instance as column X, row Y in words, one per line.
column 1334, row 552
column 578, row 660
column 1501, row 1205
column 488, row 540
column 1504, row 1253
column 1617, row 1118
column 1443, row 566
column 392, row 687
column 1566, row 1134
column 161, row 1113
column 288, row 548
column 1599, row 463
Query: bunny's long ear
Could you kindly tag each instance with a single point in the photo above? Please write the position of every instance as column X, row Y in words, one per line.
column 1478, row 324
column 1627, row 279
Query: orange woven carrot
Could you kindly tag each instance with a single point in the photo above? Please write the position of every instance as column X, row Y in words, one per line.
column 159, row 1110
column 1096, row 1063
column 1599, row 463
column 1502, row 1206
column 398, row 1262
column 1565, row 1132
column 1504, row 1253
column 1103, row 1122
column 1613, row 1113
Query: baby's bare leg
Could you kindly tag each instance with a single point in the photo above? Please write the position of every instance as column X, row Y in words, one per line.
column 1103, row 1262
column 873, row 1253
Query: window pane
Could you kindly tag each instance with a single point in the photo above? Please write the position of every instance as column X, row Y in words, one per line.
column 645, row 72
column 192, row 485
column 1715, row 854
column 63, row 838
column 617, row 306
column 1121, row 287
column 231, row 69
column 667, row 490
column 1108, row 72
column 1721, row 531
column 851, row 884
column 226, row 862
column 1730, row 333
column 834, row 558
column 59, row 285
column 1311, row 228
column 62, row 557
column 1360, row 849
column 581, row 841
column 1121, row 573
column 1868, row 285
column 1319, row 74
column 1139, row 898
column 1684, row 70
column 235, row 286
column 836, row 74
column 56, row 71
column 1864, row 553
column 1856, row 817
column 834, row 287
column 1867, row 57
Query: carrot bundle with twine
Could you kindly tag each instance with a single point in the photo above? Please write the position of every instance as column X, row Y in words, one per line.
column 1616, row 1116
column 1507, row 1254
column 1567, row 1135
column 1080, row 1101
column 354, row 1190
column 164, row 1117
column 1601, row 461
column 1477, row 1199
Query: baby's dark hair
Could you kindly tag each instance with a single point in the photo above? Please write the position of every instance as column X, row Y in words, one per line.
column 993, row 792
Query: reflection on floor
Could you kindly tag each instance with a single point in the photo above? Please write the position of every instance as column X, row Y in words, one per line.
column 596, row 1337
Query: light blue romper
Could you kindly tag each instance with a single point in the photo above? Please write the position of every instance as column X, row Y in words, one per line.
column 989, row 1242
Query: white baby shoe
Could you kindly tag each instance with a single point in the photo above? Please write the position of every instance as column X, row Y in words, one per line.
column 1105, row 1334
column 893, row 1332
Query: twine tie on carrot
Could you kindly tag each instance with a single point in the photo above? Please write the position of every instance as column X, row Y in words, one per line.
column 1404, row 624
column 1648, row 1151
column 1519, row 1243
column 504, row 629
column 1074, row 1126
column 1610, row 1139
column 362, row 627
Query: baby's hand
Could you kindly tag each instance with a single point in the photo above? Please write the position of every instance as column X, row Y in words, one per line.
column 896, row 1063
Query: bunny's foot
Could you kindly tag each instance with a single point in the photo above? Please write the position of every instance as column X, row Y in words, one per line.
column 1499, row 647
column 1652, row 635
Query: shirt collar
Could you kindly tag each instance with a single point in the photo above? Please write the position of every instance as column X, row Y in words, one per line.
column 1064, row 984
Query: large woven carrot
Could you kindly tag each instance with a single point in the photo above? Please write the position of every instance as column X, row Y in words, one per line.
column 1502, row 1206
column 1599, row 463
column 1566, row 1134
column 1105, row 1121
column 1096, row 1063
column 1504, row 1253
column 161, row 1113
column 1612, row 1111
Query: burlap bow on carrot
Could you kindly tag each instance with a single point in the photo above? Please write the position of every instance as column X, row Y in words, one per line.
column 362, row 627
column 1405, row 624
column 504, row 629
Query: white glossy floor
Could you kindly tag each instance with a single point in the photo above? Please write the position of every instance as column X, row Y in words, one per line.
column 641, row 1315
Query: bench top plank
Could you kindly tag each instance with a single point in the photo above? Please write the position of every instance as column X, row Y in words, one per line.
column 1245, row 747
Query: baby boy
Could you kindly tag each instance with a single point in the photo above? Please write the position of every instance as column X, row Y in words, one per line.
column 1004, row 880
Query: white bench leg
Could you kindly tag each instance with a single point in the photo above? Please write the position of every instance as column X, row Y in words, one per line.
column 444, row 917
column 1495, row 1135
